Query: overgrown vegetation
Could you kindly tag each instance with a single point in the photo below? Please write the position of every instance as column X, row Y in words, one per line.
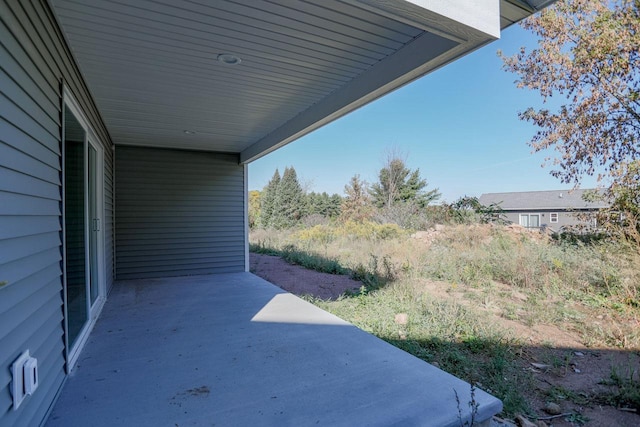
column 463, row 287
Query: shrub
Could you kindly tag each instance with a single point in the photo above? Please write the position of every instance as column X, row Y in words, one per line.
column 370, row 230
column 320, row 233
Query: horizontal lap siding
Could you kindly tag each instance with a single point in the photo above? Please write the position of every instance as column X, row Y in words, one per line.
column 34, row 61
column 565, row 218
column 178, row 213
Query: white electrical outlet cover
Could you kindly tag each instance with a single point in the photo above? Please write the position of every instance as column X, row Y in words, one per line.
column 17, row 381
column 31, row 375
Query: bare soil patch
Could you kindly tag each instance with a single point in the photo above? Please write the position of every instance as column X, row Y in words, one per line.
column 300, row 281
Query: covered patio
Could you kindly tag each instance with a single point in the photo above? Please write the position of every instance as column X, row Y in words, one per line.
column 126, row 135
column 235, row 350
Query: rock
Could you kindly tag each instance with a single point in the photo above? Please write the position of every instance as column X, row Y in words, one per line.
column 541, row 423
column 578, row 353
column 420, row 235
column 436, row 364
column 541, row 366
column 402, row 318
column 521, row 421
column 552, row 408
column 499, row 422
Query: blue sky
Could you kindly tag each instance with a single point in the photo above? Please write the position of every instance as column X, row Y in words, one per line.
column 458, row 125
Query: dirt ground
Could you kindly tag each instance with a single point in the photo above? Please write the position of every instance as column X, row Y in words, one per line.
column 299, row 280
column 561, row 366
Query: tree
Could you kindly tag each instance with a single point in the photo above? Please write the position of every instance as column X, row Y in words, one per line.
column 335, row 205
column 289, row 205
column 469, row 209
column 254, row 208
column 588, row 54
column 356, row 206
column 397, row 183
column 622, row 217
column 323, row 204
column 268, row 200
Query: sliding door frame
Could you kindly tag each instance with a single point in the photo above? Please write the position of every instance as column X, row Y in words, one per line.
column 90, row 224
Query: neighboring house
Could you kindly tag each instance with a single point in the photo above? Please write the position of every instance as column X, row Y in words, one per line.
column 126, row 129
column 555, row 210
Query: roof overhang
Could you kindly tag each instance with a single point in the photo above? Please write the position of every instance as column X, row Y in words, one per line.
column 153, row 69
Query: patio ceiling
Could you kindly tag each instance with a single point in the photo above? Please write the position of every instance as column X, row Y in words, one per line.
column 153, row 69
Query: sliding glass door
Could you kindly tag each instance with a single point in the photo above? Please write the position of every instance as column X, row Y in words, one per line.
column 84, row 285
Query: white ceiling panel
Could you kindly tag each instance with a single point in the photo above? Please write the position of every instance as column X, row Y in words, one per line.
column 152, row 65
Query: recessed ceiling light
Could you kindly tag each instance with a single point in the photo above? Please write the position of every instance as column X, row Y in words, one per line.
column 229, row 59
column 189, row 132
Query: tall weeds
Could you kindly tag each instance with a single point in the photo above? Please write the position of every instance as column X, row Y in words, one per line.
column 567, row 283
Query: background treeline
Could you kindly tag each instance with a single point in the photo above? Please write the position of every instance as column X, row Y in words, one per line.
column 400, row 196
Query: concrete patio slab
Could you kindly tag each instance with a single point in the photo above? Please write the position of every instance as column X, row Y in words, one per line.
column 235, row 350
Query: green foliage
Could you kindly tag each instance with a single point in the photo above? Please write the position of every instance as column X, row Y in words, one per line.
column 351, row 229
column 396, row 183
column 268, row 200
column 467, row 210
column 323, row 204
column 289, row 201
column 376, row 274
column 456, row 338
column 525, row 261
column 622, row 218
column 625, row 382
column 294, row 255
column 282, row 201
column 484, row 272
column 254, row 208
column 588, row 57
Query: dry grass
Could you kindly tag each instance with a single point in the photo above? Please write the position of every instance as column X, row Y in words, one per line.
column 468, row 289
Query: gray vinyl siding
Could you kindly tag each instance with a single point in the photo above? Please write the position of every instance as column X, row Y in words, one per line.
column 178, row 213
column 565, row 219
column 34, row 62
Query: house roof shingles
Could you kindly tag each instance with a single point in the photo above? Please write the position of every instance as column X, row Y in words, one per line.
column 541, row 200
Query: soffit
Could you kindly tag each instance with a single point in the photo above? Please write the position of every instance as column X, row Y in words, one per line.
column 152, row 67
column 512, row 11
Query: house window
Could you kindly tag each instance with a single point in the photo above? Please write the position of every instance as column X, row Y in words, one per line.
column 553, row 217
column 530, row 220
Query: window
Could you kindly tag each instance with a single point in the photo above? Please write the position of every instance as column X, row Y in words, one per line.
column 553, row 217
column 524, row 220
column 530, row 220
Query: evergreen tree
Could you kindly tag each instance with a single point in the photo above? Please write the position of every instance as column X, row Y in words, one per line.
column 397, row 183
column 323, row 204
column 335, row 206
column 413, row 190
column 268, row 200
column 391, row 177
column 289, row 201
column 314, row 204
column 356, row 206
